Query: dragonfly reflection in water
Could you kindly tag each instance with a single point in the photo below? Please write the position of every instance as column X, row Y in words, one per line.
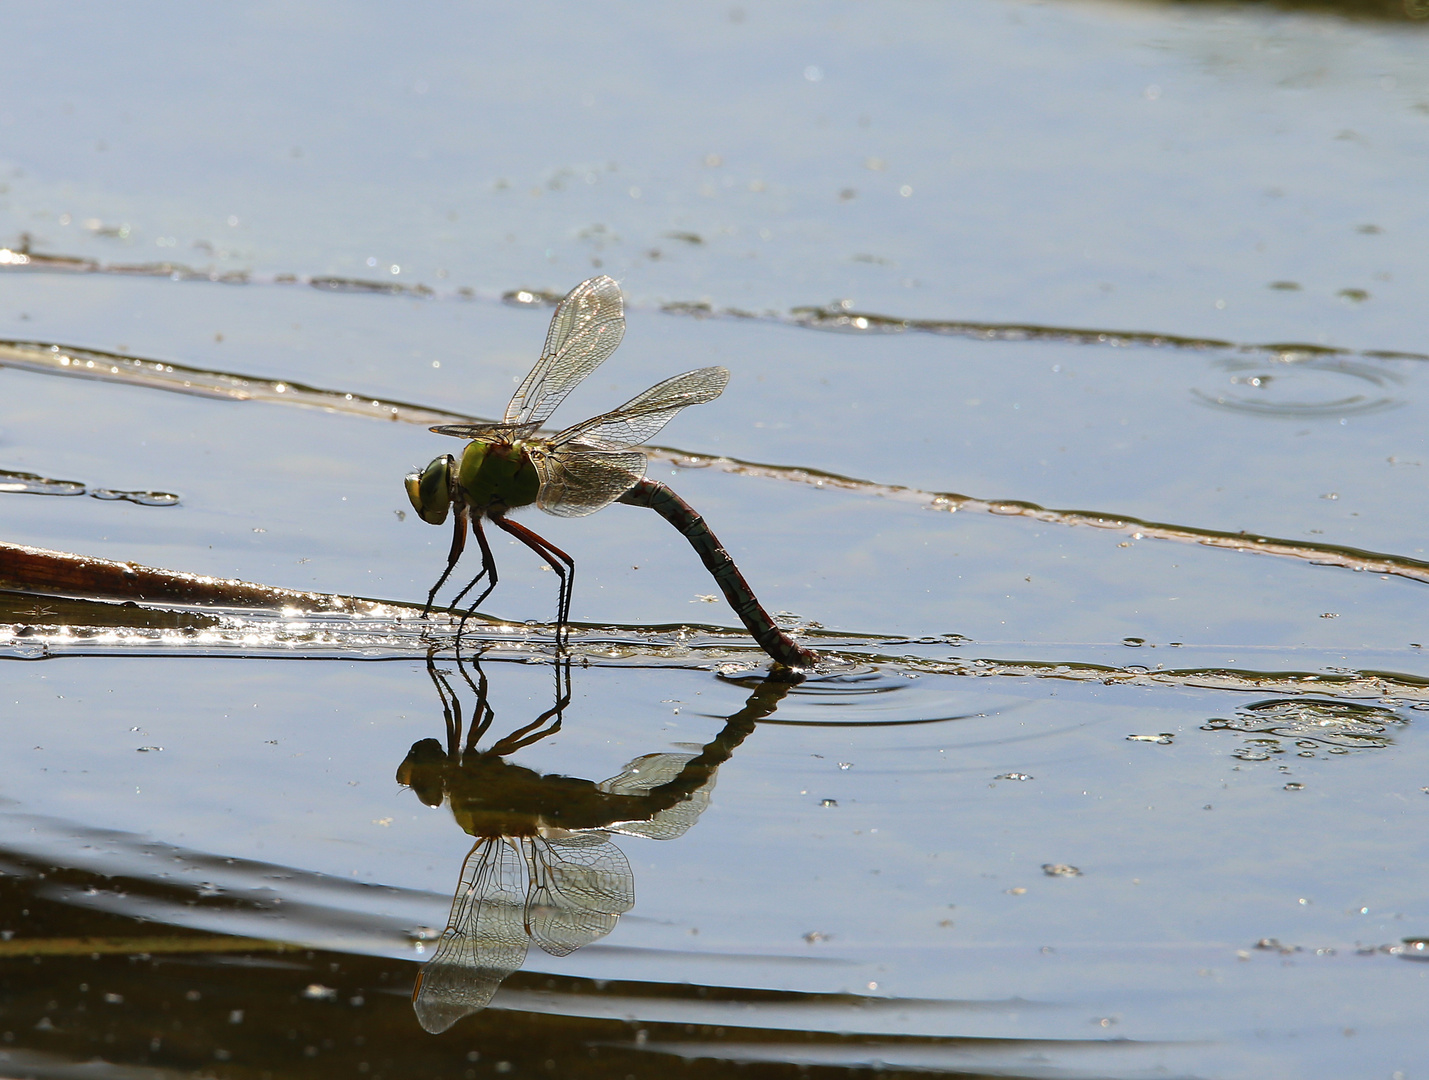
column 582, row 469
column 543, row 867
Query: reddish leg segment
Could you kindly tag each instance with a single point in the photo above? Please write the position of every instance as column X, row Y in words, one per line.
column 488, row 567
column 556, row 559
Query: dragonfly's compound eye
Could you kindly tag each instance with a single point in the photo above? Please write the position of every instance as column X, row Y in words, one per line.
column 430, row 490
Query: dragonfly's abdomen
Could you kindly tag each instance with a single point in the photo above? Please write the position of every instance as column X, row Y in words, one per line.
column 497, row 476
column 717, row 561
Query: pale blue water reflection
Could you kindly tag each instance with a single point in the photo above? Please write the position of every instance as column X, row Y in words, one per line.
column 889, row 860
column 1053, row 154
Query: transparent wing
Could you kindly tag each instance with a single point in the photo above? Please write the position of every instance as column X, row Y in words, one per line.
column 484, row 942
column 588, row 466
column 649, row 772
column 646, row 772
column 578, row 482
column 490, row 432
column 586, row 328
column 642, row 417
column 581, row 885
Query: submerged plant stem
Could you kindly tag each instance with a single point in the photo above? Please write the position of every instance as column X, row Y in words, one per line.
column 152, row 946
column 45, row 572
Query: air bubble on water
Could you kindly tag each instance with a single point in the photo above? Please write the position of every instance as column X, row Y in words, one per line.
column 1412, row 949
column 1338, row 726
column 1247, row 753
column 734, row 668
column 142, row 498
column 33, row 484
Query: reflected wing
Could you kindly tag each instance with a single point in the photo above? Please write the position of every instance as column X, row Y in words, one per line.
column 646, row 772
column 651, row 771
column 581, row 886
column 575, row 483
column 642, row 417
column 484, row 942
column 586, row 328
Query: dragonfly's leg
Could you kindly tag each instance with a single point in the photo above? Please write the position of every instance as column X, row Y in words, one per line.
column 556, row 559
column 488, row 565
column 458, row 546
column 483, row 715
column 563, row 687
column 522, row 737
column 488, row 569
column 478, row 730
column 444, row 691
column 563, row 698
column 511, row 743
column 454, row 731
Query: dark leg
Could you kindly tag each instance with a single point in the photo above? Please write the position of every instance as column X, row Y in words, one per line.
column 556, row 559
column 524, row 736
column 458, row 546
column 449, row 702
column 488, row 567
column 483, row 715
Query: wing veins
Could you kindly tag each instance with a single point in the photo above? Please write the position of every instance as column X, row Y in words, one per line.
column 585, row 329
column 642, row 417
column 580, row 483
column 484, row 940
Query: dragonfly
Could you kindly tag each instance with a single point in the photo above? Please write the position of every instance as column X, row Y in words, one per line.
column 543, row 867
column 584, row 468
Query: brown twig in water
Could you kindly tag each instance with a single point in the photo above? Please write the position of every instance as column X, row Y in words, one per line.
column 58, row 573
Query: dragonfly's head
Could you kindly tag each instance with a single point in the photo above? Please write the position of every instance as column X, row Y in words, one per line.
column 431, row 490
column 424, row 771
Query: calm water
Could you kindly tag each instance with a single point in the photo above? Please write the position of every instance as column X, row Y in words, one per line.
column 1076, row 416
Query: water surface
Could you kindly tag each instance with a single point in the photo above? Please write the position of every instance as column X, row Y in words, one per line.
column 1075, row 416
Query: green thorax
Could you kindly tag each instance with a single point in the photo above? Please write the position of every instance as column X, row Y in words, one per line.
column 497, row 476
